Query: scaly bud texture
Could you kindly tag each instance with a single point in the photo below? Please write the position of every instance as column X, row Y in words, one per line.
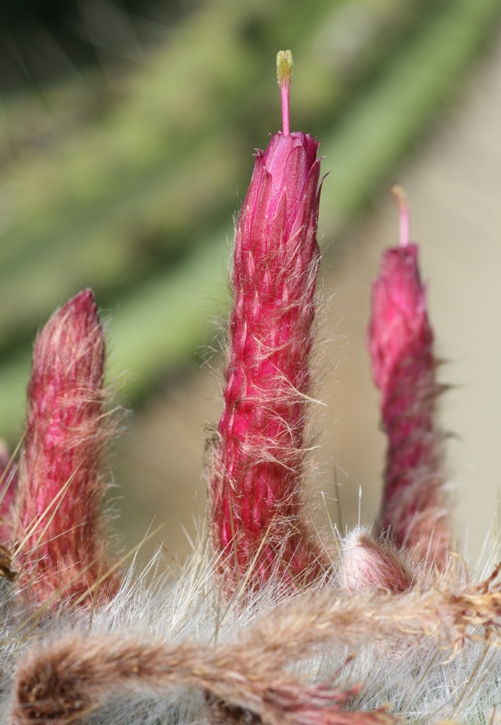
column 57, row 520
column 414, row 508
column 258, row 469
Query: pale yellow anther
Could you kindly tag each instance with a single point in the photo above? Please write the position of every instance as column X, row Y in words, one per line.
column 284, row 66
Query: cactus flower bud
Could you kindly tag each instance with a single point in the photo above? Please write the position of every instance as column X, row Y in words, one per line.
column 368, row 564
column 258, row 466
column 57, row 520
column 400, row 340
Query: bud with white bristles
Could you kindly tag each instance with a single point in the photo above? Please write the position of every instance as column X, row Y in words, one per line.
column 58, row 529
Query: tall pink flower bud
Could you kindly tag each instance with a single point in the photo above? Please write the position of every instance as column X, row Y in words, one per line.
column 57, row 520
column 257, row 520
column 414, row 509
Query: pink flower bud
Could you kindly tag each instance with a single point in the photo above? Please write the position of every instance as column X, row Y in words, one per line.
column 368, row 564
column 414, row 509
column 258, row 467
column 57, row 519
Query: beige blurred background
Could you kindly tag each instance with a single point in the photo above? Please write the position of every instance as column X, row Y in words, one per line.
column 454, row 183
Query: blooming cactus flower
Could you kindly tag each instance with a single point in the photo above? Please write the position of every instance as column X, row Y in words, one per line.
column 258, row 465
column 56, row 514
column 400, row 340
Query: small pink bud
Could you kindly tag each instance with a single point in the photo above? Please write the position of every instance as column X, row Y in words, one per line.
column 368, row 564
column 258, row 468
column 57, row 520
column 400, row 339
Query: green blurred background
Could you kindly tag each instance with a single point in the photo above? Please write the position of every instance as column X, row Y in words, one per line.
column 126, row 138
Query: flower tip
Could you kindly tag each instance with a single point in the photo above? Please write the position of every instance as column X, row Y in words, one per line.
column 402, row 200
column 284, row 73
column 84, row 300
column 79, row 317
column 86, row 294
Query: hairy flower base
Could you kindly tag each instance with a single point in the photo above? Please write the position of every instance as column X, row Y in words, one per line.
column 430, row 653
